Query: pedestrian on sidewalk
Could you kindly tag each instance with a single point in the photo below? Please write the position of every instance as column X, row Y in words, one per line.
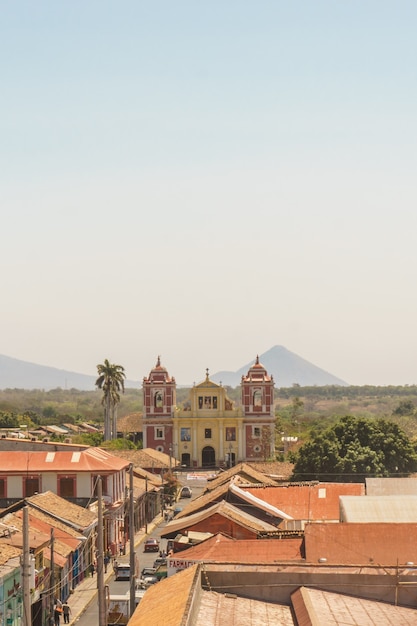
column 66, row 610
column 57, row 615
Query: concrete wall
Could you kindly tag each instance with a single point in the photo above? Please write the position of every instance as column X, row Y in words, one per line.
column 273, row 584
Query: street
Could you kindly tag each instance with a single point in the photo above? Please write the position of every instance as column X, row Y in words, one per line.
column 197, row 482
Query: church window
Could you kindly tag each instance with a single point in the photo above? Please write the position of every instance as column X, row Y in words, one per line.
column 158, row 399
column 207, row 433
column 257, row 398
column 159, row 432
column 256, row 431
column 230, row 433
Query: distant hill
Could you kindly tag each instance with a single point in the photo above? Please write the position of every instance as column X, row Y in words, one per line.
column 287, row 369
column 16, row 374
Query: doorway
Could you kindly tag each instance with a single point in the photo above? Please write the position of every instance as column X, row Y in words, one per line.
column 208, row 457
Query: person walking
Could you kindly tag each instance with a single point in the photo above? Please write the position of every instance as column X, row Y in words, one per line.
column 66, row 611
column 57, row 615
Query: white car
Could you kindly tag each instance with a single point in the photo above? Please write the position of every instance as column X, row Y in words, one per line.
column 186, row 492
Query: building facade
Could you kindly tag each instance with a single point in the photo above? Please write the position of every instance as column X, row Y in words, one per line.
column 209, row 430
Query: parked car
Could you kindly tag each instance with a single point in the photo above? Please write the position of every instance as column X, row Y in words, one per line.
column 186, row 492
column 151, row 545
column 161, row 560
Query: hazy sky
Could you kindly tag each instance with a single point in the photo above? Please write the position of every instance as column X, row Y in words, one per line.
column 205, row 180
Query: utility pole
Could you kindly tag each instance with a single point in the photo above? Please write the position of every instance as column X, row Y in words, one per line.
column 146, row 505
column 132, row 542
column 27, row 608
column 102, row 613
column 52, row 580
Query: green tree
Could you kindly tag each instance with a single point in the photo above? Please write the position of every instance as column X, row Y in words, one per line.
column 8, row 420
column 111, row 381
column 353, row 449
column 405, row 407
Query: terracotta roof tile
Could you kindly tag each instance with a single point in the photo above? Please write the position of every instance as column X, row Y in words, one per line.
column 202, row 520
column 59, row 508
column 167, row 603
column 245, row 471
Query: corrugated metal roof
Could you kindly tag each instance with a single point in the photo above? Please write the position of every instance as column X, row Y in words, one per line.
column 391, row 486
column 315, row 501
column 258, row 502
column 223, row 549
column 352, row 543
column 392, row 509
column 90, row 459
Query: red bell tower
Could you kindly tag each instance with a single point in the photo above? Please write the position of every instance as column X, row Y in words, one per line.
column 159, row 400
column 258, row 410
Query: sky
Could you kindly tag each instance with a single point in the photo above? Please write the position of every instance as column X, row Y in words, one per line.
column 206, row 180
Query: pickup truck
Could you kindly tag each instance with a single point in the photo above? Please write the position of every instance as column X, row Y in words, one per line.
column 158, row 572
column 118, row 607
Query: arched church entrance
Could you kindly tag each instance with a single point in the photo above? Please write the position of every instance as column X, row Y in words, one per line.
column 208, row 457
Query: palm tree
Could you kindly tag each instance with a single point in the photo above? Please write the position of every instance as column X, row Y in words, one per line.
column 111, row 381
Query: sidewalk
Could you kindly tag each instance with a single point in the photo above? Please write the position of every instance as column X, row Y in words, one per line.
column 86, row 591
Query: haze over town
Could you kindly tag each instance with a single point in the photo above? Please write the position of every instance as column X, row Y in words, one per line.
column 204, row 181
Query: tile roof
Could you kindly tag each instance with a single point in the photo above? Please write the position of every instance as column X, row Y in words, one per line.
column 8, row 552
column 131, row 423
column 245, row 470
column 168, row 602
column 224, row 549
column 222, row 509
column 361, row 544
column 402, row 508
column 68, row 513
column 87, row 460
column 205, row 500
column 314, row 607
column 276, row 470
column 313, row 501
column 147, row 458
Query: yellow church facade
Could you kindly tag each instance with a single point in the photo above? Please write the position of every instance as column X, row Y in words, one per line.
column 210, row 430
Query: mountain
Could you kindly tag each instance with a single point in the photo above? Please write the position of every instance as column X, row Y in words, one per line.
column 287, row 369
column 16, row 374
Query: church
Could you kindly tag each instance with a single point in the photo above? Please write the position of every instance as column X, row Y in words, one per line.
column 209, row 430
